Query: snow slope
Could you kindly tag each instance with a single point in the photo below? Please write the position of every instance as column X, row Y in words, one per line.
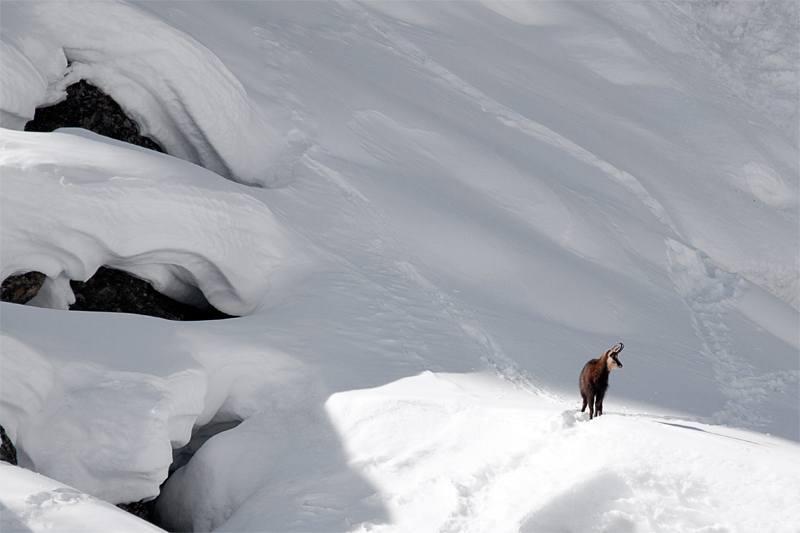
column 32, row 502
column 469, row 201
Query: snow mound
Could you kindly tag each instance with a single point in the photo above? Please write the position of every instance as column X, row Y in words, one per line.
column 455, row 452
column 31, row 502
column 107, row 409
column 88, row 399
column 74, row 201
column 176, row 89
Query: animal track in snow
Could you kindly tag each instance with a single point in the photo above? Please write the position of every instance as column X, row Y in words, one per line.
column 709, row 292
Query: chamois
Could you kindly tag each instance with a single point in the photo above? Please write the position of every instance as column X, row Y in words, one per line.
column 594, row 380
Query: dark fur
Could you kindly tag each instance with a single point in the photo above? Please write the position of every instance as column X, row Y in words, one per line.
column 594, row 380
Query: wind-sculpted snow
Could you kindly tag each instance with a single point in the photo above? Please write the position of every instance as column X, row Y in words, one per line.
column 177, row 90
column 100, row 400
column 482, row 198
column 35, row 503
column 712, row 294
column 109, row 406
column 182, row 228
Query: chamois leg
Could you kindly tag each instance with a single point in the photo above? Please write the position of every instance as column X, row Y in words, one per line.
column 598, row 406
column 591, row 407
column 584, row 403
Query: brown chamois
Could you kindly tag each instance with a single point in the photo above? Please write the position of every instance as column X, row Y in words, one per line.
column 594, row 380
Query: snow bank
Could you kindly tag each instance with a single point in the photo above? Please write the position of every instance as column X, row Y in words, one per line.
column 471, row 453
column 177, row 90
column 30, row 502
column 74, row 201
column 89, row 402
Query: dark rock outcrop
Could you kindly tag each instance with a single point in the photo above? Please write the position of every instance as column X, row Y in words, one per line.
column 116, row 291
column 90, row 108
column 141, row 509
column 112, row 291
column 8, row 452
column 20, row 289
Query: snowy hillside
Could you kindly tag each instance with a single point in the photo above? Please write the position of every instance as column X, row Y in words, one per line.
column 429, row 216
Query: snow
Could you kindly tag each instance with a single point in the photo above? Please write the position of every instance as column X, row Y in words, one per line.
column 185, row 229
column 34, row 503
column 468, row 201
column 179, row 93
column 106, row 414
column 434, row 437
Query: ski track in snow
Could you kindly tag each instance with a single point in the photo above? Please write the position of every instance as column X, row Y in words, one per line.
column 708, row 292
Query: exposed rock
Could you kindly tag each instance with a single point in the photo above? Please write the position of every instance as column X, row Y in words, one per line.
column 140, row 509
column 116, row 291
column 20, row 289
column 90, row 108
column 8, row 452
column 112, row 291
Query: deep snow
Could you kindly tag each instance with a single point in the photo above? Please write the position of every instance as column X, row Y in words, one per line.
column 467, row 202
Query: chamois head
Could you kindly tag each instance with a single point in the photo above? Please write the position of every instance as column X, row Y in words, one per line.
column 612, row 357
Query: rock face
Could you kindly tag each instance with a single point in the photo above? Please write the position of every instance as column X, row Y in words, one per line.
column 141, row 509
column 90, row 108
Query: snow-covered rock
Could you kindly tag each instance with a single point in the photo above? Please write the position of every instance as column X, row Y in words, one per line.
column 74, row 201
column 178, row 91
column 98, row 409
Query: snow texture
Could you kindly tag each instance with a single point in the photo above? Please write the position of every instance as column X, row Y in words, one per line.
column 470, row 200
column 35, row 503
column 178, row 91
column 184, row 229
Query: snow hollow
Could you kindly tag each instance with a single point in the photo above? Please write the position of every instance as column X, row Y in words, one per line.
column 426, row 217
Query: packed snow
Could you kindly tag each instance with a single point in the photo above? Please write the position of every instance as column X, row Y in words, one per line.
column 461, row 203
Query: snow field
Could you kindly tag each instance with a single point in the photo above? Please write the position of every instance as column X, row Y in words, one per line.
column 470, row 452
column 466, row 192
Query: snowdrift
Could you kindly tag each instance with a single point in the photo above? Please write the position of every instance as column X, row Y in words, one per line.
column 177, row 90
column 32, row 502
column 74, row 201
